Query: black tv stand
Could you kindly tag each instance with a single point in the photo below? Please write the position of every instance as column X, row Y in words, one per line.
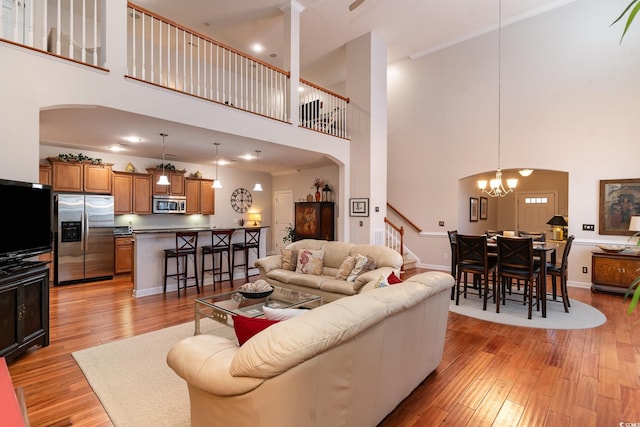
column 24, row 307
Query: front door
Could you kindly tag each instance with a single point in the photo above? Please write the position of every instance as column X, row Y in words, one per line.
column 534, row 209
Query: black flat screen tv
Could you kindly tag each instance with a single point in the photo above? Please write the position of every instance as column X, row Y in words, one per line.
column 27, row 220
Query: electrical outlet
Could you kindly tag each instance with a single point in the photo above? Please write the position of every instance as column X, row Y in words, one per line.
column 441, row 223
column 588, row 227
column 445, row 256
column 585, row 270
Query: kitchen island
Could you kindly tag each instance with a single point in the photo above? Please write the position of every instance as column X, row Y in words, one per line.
column 148, row 256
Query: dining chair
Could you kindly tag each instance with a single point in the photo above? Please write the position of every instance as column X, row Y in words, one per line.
column 219, row 248
column 454, row 257
column 251, row 241
column 515, row 261
column 186, row 244
column 537, row 236
column 492, row 233
column 473, row 257
column 561, row 272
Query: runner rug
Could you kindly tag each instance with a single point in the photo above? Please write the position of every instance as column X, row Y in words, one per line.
column 133, row 381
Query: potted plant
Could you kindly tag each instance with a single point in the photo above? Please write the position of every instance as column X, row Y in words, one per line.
column 290, row 234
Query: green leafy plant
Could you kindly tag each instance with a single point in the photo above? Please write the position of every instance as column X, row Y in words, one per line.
column 78, row 158
column 633, row 8
column 634, row 292
column 290, row 234
column 634, row 289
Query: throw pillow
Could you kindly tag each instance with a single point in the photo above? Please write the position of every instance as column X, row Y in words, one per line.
column 346, row 267
column 281, row 313
column 289, row 259
column 393, row 279
column 310, row 262
column 246, row 327
column 381, row 282
column 361, row 261
column 370, row 265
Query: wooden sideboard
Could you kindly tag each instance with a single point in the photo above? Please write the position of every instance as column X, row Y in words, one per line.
column 24, row 308
column 614, row 272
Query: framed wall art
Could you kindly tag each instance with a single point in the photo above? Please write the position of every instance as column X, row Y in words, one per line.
column 619, row 201
column 473, row 209
column 359, row 207
column 484, row 207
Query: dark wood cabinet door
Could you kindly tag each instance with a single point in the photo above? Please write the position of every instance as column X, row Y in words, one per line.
column 314, row 220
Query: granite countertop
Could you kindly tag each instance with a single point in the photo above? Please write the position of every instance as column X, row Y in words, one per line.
column 175, row 229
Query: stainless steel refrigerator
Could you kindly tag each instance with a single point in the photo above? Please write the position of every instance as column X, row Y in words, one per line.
column 84, row 244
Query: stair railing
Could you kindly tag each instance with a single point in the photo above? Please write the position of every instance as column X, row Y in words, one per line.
column 394, row 238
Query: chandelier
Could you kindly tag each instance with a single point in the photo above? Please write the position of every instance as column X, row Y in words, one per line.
column 496, row 187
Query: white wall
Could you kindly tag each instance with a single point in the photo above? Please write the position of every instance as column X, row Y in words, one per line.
column 569, row 102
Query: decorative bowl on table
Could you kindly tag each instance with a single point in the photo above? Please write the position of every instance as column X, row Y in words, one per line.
column 259, row 289
column 612, row 249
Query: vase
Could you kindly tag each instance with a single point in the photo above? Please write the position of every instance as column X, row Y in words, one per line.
column 309, row 198
column 317, row 196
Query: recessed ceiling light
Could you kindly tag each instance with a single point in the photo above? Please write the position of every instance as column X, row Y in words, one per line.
column 133, row 139
column 115, row 148
column 257, row 47
column 273, row 55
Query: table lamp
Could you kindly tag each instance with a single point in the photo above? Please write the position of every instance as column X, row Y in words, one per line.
column 558, row 222
column 634, row 225
column 255, row 217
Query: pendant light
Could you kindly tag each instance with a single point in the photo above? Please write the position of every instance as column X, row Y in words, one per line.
column 216, row 182
column 164, row 180
column 258, row 186
column 496, row 187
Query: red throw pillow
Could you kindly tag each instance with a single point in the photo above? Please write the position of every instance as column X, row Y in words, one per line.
column 246, row 327
column 393, row 279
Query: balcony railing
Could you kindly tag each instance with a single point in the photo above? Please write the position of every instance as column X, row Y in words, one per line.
column 322, row 110
column 165, row 54
column 68, row 28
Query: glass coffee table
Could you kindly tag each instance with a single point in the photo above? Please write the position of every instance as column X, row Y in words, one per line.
column 221, row 307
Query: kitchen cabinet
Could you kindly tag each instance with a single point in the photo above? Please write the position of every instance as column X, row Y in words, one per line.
column 24, row 308
column 314, row 220
column 44, row 174
column 123, row 254
column 132, row 193
column 614, row 271
column 84, row 177
column 200, row 196
column 176, row 180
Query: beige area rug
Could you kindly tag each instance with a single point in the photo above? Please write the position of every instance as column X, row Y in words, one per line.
column 580, row 316
column 133, row 381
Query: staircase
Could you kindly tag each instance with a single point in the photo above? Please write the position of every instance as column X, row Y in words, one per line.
column 394, row 239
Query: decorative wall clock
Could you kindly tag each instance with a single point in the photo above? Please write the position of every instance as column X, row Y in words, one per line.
column 241, row 200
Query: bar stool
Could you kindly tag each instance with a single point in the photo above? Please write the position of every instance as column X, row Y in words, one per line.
column 251, row 241
column 186, row 245
column 220, row 245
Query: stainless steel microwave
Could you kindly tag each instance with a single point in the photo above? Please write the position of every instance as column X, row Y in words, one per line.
column 169, row 204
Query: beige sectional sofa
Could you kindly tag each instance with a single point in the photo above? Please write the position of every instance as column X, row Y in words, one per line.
column 346, row 363
column 326, row 284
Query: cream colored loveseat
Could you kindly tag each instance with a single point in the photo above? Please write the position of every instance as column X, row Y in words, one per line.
column 346, row 363
column 327, row 285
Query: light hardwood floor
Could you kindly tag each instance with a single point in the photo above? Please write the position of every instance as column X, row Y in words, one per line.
column 491, row 374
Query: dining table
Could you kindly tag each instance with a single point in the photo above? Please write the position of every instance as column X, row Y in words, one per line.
column 542, row 251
